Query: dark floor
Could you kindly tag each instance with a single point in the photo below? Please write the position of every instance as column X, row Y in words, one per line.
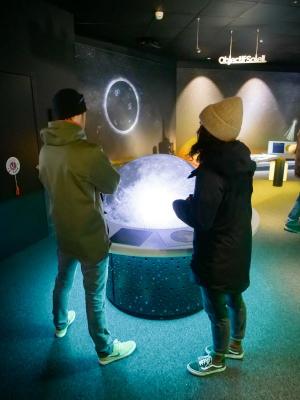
column 35, row 365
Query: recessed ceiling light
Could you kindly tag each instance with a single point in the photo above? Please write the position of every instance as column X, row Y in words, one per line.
column 208, row 58
column 261, row 40
column 159, row 14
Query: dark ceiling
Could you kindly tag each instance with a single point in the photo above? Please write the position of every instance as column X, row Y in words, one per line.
column 132, row 24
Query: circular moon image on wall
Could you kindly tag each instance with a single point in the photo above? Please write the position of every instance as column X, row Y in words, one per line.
column 121, row 105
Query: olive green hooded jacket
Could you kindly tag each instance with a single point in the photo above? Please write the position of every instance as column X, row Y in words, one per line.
column 74, row 173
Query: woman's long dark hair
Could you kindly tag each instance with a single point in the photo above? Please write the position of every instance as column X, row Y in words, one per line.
column 206, row 144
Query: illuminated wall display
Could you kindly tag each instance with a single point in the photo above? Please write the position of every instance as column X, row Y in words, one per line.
column 105, row 78
column 242, row 60
column 121, row 105
column 270, row 118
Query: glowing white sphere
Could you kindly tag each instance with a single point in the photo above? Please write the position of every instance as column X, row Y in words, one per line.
column 147, row 188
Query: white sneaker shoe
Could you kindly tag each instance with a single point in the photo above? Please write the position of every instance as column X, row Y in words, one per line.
column 120, row 350
column 62, row 332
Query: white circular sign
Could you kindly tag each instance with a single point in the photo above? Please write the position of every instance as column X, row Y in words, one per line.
column 121, row 105
column 13, row 165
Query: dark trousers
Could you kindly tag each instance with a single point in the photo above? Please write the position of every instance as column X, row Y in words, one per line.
column 227, row 314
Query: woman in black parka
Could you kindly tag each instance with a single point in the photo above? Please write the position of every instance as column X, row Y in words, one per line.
column 220, row 212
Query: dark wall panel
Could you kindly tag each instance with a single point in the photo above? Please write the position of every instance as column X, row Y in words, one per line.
column 37, row 59
column 18, row 134
column 23, row 222
column 37, row 40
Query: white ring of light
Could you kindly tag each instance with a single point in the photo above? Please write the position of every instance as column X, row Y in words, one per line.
column 109, row 86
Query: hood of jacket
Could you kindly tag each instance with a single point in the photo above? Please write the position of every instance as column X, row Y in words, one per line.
column 230, row 160
column 60, row 133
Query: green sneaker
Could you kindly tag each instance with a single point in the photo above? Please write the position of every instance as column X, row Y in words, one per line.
column 236, row 354
column 292, row 226
column 62, row 332
column 120, row 350
column 205, row 366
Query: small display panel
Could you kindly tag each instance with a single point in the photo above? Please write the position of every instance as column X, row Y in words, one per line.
column 278, row 148
column 131, row 237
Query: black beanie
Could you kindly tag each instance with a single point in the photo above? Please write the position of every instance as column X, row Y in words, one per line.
column 67, row 103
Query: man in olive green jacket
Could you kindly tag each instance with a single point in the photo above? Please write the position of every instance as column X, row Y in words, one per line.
column 75, row 173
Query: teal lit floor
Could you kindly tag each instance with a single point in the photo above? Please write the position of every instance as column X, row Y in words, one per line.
column 35, row 365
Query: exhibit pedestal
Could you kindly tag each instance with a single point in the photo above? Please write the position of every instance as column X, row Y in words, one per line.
column 150, row 275
column 153, row 287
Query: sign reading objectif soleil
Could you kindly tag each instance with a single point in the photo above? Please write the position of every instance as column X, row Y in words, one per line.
column 121, row 105
column 242, row 60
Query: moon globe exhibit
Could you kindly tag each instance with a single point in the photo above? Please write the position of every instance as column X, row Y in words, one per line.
column 149, row 273
column 147, row 188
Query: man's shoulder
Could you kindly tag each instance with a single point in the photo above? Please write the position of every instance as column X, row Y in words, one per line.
column 92, row 151
column 84, row 145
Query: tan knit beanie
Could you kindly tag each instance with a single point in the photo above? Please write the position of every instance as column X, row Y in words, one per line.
column 224, row 119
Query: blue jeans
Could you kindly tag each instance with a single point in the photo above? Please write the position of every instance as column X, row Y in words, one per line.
column 94, row 282
column 295, row 211
column 227, row 314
